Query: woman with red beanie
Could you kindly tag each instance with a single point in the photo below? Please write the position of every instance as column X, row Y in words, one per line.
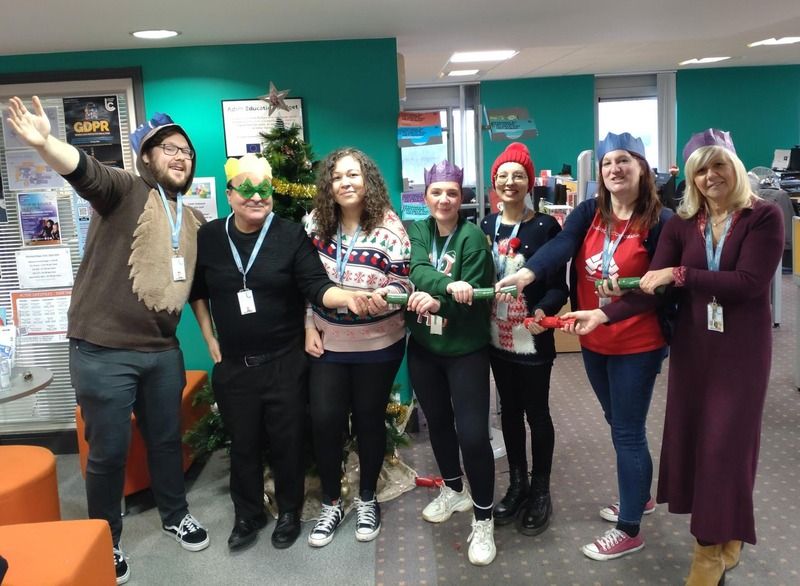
column 518, row 353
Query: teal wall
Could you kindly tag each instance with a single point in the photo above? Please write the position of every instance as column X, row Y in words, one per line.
column 563, row 109
column 760, row 106
column 349, row 91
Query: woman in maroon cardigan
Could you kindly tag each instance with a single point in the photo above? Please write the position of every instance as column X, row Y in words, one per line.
column 719, row 255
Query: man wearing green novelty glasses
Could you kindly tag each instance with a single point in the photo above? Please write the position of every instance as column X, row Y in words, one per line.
column 255, row 271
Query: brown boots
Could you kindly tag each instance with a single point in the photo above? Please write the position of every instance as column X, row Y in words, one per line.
column 708, row 568
column 731, row 551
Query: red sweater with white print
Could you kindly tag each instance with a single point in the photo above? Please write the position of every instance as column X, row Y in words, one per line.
column 640, row 333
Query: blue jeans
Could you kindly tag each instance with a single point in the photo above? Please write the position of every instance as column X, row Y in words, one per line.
column 109, row 385
column 624, row 386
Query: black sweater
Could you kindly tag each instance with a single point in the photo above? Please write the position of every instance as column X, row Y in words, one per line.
column 286, row 272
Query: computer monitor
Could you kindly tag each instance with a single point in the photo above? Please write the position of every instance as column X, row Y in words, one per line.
column 591, row 189
column 794, row 159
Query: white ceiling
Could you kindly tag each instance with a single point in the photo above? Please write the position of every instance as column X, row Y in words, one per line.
column 559, row 37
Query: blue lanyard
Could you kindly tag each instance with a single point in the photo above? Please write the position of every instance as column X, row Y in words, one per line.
column 341, row 261
column 174, row 226
column 713, row 256
column 435, row 260
column 238, row 259
column 610, row 247
column 500, row 261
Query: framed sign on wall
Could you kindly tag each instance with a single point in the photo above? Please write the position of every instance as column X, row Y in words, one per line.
column 245, row 120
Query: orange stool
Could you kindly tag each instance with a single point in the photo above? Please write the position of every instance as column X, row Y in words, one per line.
column 137, row 474
column 28, row 485
column 61, row 553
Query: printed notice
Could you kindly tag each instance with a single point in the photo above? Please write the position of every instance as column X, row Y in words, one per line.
column 41, row 316
column 44, row 268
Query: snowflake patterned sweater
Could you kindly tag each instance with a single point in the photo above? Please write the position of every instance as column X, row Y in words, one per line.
column 378, row 259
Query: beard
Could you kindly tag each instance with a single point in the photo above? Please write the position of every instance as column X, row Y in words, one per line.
column 167, row 181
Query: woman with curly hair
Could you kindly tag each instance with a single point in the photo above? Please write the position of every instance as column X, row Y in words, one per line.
column 354, row 360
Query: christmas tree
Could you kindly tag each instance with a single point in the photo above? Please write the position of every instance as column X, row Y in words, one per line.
column 292, row 170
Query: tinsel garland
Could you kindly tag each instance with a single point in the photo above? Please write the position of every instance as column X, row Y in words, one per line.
column 296, row 190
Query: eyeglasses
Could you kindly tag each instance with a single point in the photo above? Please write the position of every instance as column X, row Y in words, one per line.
column 516, row 177
column 248, row 190
column 171, row 150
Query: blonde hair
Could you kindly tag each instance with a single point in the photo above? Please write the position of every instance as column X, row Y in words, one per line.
column 693, row 200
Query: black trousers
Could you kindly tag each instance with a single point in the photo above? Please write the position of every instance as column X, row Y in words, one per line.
column 525, row 394
column 453, row 392
column 261, row 404
column 335, row 390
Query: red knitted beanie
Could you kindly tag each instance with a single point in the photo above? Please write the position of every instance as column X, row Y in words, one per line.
column 516, row 152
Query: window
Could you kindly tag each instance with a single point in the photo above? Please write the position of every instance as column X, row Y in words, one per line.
column 637, row 116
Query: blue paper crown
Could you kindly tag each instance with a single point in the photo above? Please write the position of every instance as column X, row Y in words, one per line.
column 139, row 135
column 615, row 142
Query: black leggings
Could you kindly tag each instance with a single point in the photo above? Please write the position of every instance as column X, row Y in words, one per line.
column 524, row 393
column 335, row 390
column 453, row 392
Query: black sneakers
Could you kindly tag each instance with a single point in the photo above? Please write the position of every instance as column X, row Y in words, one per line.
column 330, row 517
column 189, row 533
column 121, row 566
column 369, row 519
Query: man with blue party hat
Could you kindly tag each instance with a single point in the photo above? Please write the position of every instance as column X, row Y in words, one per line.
column 133, row 281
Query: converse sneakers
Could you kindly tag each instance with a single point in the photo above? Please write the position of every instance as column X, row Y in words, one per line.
column 369, row 519
column 442, row 507
column 611, row 512
column 121, row 566
column 189, row 533
column 612, row 545
column 330, row 517
column 482, row 550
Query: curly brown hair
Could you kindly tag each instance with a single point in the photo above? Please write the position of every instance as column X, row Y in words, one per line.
column 376, row 199
column 648, row 206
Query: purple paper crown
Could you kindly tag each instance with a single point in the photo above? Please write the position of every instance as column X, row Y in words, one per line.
column 141, row 133
column 709, row 137
column 616, row 142
column 443, row 171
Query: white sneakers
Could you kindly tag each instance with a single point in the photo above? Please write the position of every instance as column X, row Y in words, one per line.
column 482, row 550
column 481, row 543
column 443, row 506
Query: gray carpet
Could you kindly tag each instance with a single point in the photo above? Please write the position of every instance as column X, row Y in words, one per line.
column 410, row 551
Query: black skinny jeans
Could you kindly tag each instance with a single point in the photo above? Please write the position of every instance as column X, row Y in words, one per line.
column 336, row 390
column 453, row 392
column 525, row 394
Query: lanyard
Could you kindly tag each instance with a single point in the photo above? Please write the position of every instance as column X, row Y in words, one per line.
column 341, row 261
column 500, row 261
column 238, row 259
column 610, row 247
column 174, row 226
column 435, row 260
column 713, row 256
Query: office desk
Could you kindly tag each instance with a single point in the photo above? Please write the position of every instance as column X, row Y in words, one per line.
column 41, row 377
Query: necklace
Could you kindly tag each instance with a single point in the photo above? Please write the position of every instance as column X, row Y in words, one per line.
column 718, row 222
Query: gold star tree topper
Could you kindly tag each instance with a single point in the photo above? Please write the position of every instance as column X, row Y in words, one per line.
column 275, row 99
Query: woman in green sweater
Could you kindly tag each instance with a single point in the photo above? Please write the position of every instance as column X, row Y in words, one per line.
column 448, row 356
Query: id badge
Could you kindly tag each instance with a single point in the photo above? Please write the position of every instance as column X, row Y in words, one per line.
column 603, row 301
column 436, row 322
column 178, row 269
column 502, row 311
column 715, row 319
column 246, row 303
column 341, row 311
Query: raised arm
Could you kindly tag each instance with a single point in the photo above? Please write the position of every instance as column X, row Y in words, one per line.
column 33, row 128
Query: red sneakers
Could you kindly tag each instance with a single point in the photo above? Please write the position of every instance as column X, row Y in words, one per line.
column 612, row 545
column 611, row 512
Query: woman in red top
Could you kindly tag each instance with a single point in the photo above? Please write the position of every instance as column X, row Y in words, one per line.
column 610, row 237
